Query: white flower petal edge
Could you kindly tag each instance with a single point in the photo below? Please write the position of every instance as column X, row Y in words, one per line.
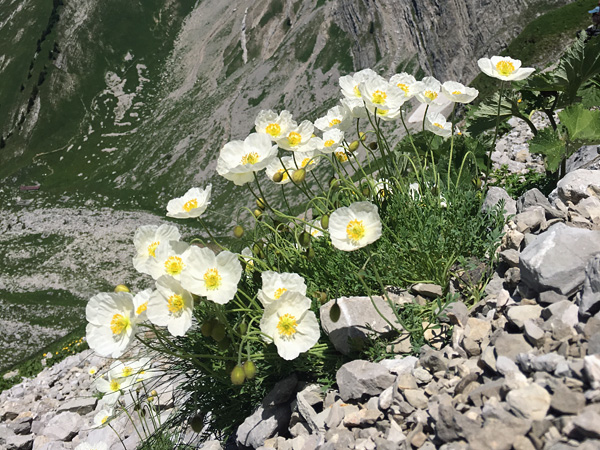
column 291, row 326
column 436, row 123
column 354, row 227
column 147, row 238
column 459, row 93
column 504, row 68
column 192, row 204
column 274, row 285
column 171, row 306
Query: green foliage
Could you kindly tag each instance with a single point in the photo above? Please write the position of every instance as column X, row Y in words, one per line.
column 305, row 46
column 581, row 123
column 516, row 184
column 549, row 144
column 275, row 8
column 337, row 50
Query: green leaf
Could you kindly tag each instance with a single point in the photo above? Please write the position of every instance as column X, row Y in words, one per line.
column 590, row 97
column 582, row 124
column 579, row 63
column 483, row 117
column 548, row 143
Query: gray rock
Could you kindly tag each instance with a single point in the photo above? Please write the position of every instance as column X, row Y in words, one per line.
column 433, row 360
column 557, row 259
column 587, row 157
column 452, row 425
column 530, row 199
column 510, row 345
column 306, row 399
column 590, row 294
column 399, row 365
column 80, row 405
column 494, row 196
column 427, row 290
column 64, row 426
column 566, row 401
column 19, row 442
column 359, row 377
column 262, row 425
column 518, row 315
column 588, row 423
column 530, row 220
column 478, row 329
column 533, row 333
column 281, row 392
column 579, row 184
column 358, row 319
column 416, row 398
column 457, row 313
column 531, row 402
column 5, row 432
column 509, row 257
column 591, row 364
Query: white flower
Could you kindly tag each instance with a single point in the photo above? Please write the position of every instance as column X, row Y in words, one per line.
column 248, row 258
column 436, row 123
column 337, row 117
column 343, row 156
column 430, row 93
column 378, row 94
column 297, row 138
column 355, row 226
column 102, row 417
column 408, row 85
column 314, row 228
column 273, row 124
column 171, row 306
column 193, row 203
column 331, row 141
column 306, row 160
column 285, row 167
column 212, row 276
column 459, row 93
column 504, row 68
column 356, row 106
column 135, row 369
column 291, row 325
column 89, row 446
column 140, row 302
column 275, row 284
column 147, row 238
column 239, row 160
column 383, row 187
column 111, row 323
column 93, row 370
column 349, row 83
column 169, row 260
column 112, row 388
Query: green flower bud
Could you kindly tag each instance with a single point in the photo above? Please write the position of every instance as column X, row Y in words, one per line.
column 238, row 376
column 322, row 297
column 260, row 202
column 299, row 175
column 218, row 332
column 122, row 288
column 373, row 145
column 353, row 146
column 207, row 328
column 243, row 328
column 362, row 136
column 334, row 183
column 257, row 213
column 304, row 239
column 197, row 423
column 278, row 177
column 238, row 231
column 310, row 253
column 249, row 370
column 224, row 344
column 325, row 221
column 335, row 312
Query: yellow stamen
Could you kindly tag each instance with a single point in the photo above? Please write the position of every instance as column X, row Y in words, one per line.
column 212, row 279
column 279, row 292
column 174, row 265
column 294, row 138
column 175, row 303
column 250, row 158
column 341, row 156
column 505, row 68
column 273, row 129
column 355, row 230
column 306, row 161
column 404, row 87
column 127, row 371
column 431, row 95
column 456, row 93
column 328, row 143
column 379, row 97
column 287, row 325
column 143, row 307
column 438, row 125
column 104, row 419
column 114, row 386
column 191, row 204
column 334, row 122
column 382, row 112
column 119, row 323
column 152, row 248
column 357, row 91
column 284, row 176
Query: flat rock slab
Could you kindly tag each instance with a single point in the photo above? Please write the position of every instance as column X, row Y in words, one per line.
column 360, row 377
column 263, row 424
column 556, row 260
column 579, row 184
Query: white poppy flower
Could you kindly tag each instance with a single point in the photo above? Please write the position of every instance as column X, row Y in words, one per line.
column 354, row 227
column 239, row 160
column 436, row 123
column 111, row 323
column 93, row 370
column 430, row 93
column 140, row 302
column 112, row 388
column 459, row 93
column 408, row 85
column 193, row 203
column 337, row 117
column 285, row 167
column 306, row 160
column 356, row 106
column 313, row 228
column 94, row 446
column 147, row 238
column 136, row 369
column 248, row 258
column 291, row 325
column 504, row 68
column 171, row 306
column 297, row 138
column 349, row 83
column 331, row 141
column 383, row 187
column 273, row 124
column 275, row 284
column 169, row 260
column 102, row 417
column 212, row 276
column 343, row 156
column 379, row 94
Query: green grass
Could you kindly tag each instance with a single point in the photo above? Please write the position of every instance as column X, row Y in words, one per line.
column 275, row 8
column 336, row 51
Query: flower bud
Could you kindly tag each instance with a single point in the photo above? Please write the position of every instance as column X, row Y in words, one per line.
column 322, row 297
column 304, row 239
column 197, row 423
column 218, row 332
column 238, row 376
column 334, row 183
column 122, row 288
column 299, row 175
column 260, row 202
column 243, row 328
column 373, row 145
column 310, row 253
column 335, row 312
column 362, row 136
column 325, row 221
column 223, row 344
column 207, row 327
column 278, row 177
column 257, row 213
column 238, row 231
column 353, row 146
column 249, row 370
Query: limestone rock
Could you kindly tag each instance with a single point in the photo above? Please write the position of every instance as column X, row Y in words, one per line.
column 579, row 184
column 263, row 424
column 359, row 377
column 530, row 402
column 494, row 196
column 590, row 294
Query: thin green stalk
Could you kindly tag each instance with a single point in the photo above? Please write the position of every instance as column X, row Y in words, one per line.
column 451, row 146
column 493, row 146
